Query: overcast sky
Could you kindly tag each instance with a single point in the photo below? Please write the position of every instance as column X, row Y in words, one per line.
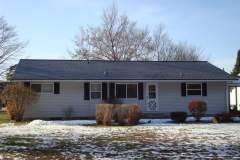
column 51, row 24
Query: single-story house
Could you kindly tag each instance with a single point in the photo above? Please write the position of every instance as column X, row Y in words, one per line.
column 158, row 87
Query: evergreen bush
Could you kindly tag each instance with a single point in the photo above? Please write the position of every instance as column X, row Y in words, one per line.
column 179, row 116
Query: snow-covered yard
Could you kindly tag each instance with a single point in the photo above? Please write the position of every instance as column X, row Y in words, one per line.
column 158, row 139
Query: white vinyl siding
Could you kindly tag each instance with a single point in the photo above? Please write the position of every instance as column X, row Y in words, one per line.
column 169, row 100
column 72, row 94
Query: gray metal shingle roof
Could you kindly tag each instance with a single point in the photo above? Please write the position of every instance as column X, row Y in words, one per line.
column 118, row 70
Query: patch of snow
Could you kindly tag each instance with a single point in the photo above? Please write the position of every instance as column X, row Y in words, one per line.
column 202, row 119
column 161, row 137
column 7, row 124
column 236, row 118
column 68, row 123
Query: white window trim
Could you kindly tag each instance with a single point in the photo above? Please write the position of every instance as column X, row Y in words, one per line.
column 42, row 88
column 126, row 90
column 193, row 89
column 95, row 91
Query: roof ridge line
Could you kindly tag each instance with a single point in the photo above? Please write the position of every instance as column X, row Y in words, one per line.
column 100, row 60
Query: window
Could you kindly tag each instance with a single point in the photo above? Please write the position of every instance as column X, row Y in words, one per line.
column 36, row 87
column 47, row 88
column 96, row 90
column 194, row 89
column 126, row 90
column 152, row 91
column 131, row 90
column 121, row 91
column 42, row 88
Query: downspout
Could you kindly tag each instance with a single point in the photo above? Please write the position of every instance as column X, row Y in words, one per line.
column 227, row 98
column 236, row 98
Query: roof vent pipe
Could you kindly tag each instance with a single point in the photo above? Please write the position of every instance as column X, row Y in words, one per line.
column 106, row 71
column 181, row 73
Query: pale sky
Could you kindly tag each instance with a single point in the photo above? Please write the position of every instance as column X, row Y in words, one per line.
column 51, row 24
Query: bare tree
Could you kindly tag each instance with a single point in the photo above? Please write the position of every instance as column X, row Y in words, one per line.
column 162, row 44
column 183, row 51
column 10, row 46
column 117, row 38
column 164, row 49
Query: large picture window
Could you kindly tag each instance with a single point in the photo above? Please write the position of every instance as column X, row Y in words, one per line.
column 121, row 91
column 42, row 88
column 96, row 90
column 194, row 89
column 126, row 90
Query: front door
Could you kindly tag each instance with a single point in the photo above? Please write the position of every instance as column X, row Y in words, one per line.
column 152, row 95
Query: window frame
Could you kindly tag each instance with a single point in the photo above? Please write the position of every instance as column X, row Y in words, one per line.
column 193, row 89
column 95, row 91
column 42, row 88
column 126, row 90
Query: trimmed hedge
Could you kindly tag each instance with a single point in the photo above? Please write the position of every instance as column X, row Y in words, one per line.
column 122, row 114
column 198, row 109
column 179, row 116
column 224, row 117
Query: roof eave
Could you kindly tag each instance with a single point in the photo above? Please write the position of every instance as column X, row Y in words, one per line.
column 124, row 80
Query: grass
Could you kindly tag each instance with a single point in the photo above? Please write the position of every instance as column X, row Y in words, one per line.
column 4, row 118
column 85, row 146
column 126, row 143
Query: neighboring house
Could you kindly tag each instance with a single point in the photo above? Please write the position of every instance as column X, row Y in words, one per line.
column 234, row 95
column 157, row 87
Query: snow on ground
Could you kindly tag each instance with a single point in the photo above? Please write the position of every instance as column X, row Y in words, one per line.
column 6, row 124
column 159, row 139
column 68, row 123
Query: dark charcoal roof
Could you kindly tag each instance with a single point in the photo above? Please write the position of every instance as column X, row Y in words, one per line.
column 117, row 70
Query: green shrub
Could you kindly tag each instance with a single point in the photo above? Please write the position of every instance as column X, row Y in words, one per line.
column 179, row 116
